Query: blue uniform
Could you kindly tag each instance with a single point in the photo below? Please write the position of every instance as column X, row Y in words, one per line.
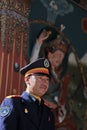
column 25, row 113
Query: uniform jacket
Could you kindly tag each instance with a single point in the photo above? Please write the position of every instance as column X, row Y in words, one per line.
column 25, row 113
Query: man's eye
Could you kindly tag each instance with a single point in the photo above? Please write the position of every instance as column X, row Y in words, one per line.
column 40, row 78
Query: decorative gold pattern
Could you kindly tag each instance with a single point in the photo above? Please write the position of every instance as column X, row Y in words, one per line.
column 14, row 16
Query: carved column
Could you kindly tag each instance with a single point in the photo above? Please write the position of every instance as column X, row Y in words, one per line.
column 13, row 44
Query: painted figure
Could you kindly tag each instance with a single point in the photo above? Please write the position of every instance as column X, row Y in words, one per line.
column 56, row 51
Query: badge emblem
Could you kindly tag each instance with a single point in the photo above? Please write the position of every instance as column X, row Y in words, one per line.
column 46, row 63
column 4, row 111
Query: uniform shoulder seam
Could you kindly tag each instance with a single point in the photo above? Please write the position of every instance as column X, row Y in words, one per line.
column 13, row 96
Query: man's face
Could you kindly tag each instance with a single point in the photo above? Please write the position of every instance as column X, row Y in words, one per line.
column 56, row 58
column 38, row 85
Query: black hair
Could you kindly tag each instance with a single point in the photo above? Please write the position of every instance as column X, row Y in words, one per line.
column 52, row 36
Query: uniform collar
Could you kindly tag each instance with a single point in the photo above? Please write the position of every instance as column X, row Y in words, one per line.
column 26, row 96
column 29, row 98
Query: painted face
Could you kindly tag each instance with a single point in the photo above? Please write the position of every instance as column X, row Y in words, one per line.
column 56, row 58
column 38, row 85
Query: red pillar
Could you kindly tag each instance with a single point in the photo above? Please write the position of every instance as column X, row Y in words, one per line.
column 13, row 45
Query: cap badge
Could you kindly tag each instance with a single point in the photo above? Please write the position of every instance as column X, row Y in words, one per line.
column 46, row 63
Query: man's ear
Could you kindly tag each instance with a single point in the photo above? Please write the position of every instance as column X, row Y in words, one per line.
column 26, row 79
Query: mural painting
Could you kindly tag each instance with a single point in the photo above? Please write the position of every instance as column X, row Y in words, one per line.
column 67, row 92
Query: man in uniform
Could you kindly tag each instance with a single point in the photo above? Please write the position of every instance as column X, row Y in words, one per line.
column 28, row 111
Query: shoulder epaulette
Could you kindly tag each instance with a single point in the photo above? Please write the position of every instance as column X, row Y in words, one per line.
column 13, row 96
